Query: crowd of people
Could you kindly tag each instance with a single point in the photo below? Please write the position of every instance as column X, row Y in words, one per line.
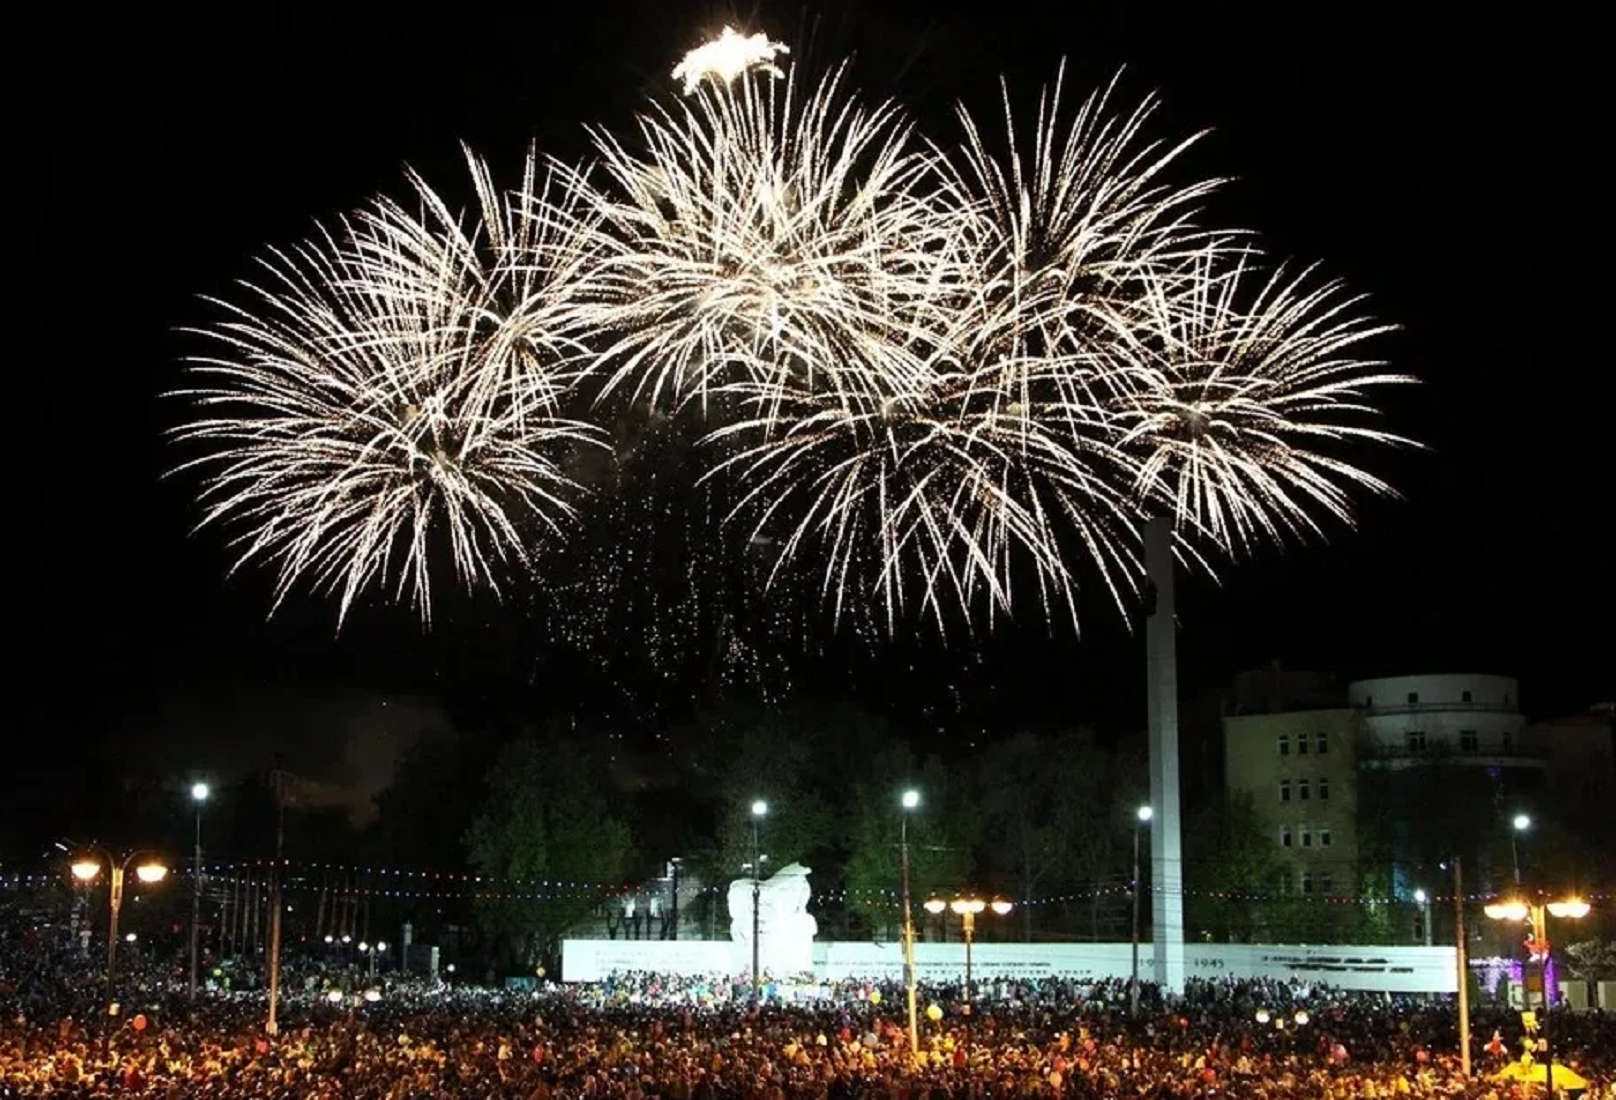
column 344, row 1034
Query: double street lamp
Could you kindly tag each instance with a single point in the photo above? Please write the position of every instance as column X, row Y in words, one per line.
column 1535, row 915
column 88, row 867
column 967, row 909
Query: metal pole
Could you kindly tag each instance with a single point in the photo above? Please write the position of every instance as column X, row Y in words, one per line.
column 1515, row 853
column 1464, row 966
column 116, row 905
column 273, row 1026
column 909, row 939
column 196, row 897
column 673, row 906
column 970, row 937
column 1133, row 989
column 757, row 889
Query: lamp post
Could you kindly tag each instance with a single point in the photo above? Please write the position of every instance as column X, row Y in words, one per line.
column 1535, row 915
column 967, row 908
column 1423, row 900
column 373, row 951
column 1141, row 819
column 910, row 800
column 1519, row 825
column 760, row 810
column 199, row 795
column 88, row 866
column 1461, row 957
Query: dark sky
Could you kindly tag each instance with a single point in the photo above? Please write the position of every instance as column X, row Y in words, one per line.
column 166, row 149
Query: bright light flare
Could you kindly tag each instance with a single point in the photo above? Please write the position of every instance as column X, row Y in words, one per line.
column 151, row 872
column 86, row 869
column 728, row 56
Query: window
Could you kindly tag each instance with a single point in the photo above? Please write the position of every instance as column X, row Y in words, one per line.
column 1322, row 743
column 1416, row 740
column 1302, row 787
column 1324, row 788
column 1509, row 742
column 1284, row 790
column 1469, row 741
column 1301, row 744
column 1307, row 837
column 1465, row 697
column 1284, row 744
column 1326, row 882
column 1307, row 882
column 1284, row 836
column 1369, row 702
column 1413, row 698
column 1325, row 839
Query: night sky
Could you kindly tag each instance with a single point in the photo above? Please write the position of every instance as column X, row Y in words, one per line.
column 172, row 149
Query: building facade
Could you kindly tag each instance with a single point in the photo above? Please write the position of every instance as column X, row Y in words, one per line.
column 1455, row 718
column 1300, row 771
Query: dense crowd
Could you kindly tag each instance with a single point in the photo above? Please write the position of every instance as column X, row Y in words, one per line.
column 642, row 1036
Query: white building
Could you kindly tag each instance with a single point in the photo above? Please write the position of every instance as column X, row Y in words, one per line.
column 1449, row 718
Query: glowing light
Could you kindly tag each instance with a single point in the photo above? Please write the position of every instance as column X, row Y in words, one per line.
column 200, row 792
column 760, row 808
column 1002, row 907
column 1507, row 910
column 372, row 996
column 1570, row 909
column 911, row 799
column 728, row 56
column 84, row 870
column 1262, row 1016
column 334, row 997
column 151, row 872
column 935, row 906
column 1146, row 813
column 1419, row 897
column 1522, row 822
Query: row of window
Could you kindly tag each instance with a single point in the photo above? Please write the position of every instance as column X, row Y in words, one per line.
column 1321, row 882
column 1304, row 789
column 1307, row 836
column 1319, row 741
column 1469, row 741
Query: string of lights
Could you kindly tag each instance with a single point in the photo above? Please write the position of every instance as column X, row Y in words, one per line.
column 457, row 886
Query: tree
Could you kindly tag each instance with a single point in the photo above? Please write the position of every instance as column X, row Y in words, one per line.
column 549, row 844
column 941, row 832
column 1228, row 860
column 1058, row 809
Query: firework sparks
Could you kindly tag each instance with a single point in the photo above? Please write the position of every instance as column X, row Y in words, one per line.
column 395, row 388
column 927, row 378
column 728, row 56
column 761, row 236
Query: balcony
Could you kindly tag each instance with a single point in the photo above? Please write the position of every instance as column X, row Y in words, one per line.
column 1439, row 708
column 1445, row 753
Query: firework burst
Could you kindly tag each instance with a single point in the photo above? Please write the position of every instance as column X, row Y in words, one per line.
column 394, row 386
column 1256, row 377
column 928, row 378
column 765, row 235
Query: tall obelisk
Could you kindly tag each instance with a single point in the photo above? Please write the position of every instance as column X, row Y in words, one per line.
column 1166, row 846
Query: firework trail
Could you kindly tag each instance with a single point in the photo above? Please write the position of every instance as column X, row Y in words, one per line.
column 392, row 395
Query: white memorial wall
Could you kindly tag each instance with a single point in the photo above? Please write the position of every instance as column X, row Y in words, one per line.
column 1371, row 969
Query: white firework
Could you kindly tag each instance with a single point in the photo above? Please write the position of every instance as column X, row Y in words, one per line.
column 1257, row 383
column 729, row 56
column 766, row 235
column 391, row 395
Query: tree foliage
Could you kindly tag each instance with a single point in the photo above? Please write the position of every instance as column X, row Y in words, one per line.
column 547, row 834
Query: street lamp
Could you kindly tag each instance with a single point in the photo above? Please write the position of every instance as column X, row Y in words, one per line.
column 86, row 869
column 910, row 800
column 1535, row 915
column 1141, row 819
column 1423, row 900
column 1521, row 823
column 967, row 908
column 760, row 810
column 199, row 795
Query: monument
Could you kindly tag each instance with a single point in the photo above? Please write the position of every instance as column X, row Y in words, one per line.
column 785, row 927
